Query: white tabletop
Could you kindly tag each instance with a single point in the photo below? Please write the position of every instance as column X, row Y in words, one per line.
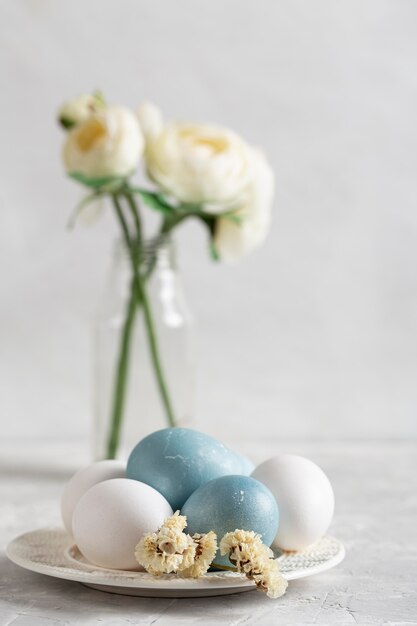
column 376, row 518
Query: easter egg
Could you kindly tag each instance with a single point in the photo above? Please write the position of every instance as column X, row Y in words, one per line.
column 112, row 516
column 304, row 496
column 246, row 465
column 176, row 461
column 229, row 503
column 81, row 482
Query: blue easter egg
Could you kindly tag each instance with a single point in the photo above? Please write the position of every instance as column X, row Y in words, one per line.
column 229, row 503
column 177, row 461
column 246, row 465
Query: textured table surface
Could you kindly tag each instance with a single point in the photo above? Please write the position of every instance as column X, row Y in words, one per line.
column 376, row 518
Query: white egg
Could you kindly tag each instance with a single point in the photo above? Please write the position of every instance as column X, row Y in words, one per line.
column 83, row 480
column 304, row 496
column 112, row 516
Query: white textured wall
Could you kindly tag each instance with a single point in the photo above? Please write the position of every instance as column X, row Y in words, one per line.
column 316, row 334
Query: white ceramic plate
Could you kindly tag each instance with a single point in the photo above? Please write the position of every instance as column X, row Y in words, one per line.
column 51, row 551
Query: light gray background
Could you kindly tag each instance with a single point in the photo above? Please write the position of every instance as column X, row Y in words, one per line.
column 312, row 336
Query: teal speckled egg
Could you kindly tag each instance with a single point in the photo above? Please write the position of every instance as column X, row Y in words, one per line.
column 231, row 502
column 177, row 461
column 247, row 466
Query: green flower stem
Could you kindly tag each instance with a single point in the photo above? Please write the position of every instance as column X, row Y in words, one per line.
column 143, row 298
column 227, row 568
column 136, row 220
column 164, row 232
column 119, row 393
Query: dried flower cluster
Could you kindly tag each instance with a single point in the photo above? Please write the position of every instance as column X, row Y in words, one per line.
column 254, row 559
column 171, row 550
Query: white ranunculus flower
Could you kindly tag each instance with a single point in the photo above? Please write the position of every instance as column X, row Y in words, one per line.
column 78, row 109
column 232, row 239
column 107, row 143
column 150, row 118
column 196, row 163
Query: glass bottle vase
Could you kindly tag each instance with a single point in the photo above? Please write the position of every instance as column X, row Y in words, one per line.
column 132, row 395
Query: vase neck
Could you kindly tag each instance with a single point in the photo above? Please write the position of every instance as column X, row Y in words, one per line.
column 158, row 252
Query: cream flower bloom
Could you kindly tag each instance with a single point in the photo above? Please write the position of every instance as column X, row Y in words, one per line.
column 78, row 109
column 196, row 163
column 169, row 549
column 235, row 238
column 270, row 580
column 254, row 559
column 166, row 552
column 153, row 559
column 151, row 121
column 234, row 539
column 107, row 143
column 206, row 548
column 176, row 522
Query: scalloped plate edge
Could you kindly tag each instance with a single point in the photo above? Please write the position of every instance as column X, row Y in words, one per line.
column 138, row 583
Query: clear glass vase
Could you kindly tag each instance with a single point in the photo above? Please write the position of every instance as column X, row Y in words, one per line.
column 143, row 409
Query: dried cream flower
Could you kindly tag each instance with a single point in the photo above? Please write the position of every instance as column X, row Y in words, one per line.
column 171, row 550
column 270, row 580
column 240, row 538
column 254, row 559
column 206, row 548
column 176, row 522
column 243, row 546
column 168, row 550
column 153, row 559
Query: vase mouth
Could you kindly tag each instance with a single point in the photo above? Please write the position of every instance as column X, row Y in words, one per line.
column 158, row 248
column 148, row 246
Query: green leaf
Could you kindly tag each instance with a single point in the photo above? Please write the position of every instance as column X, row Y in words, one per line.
column 214, row 252
column 154, row 201
column 80, row 206
column 99, row 97
column 209, row 222
column 66, row 122
column 192, row 209
column 109, row 183
column 232, row 217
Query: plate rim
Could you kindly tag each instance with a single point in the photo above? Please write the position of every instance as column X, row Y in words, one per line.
column 99, row 576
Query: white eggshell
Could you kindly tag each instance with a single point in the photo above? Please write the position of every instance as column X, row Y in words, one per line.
column 304, row 496
column 112, row 516
column 83, row 480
